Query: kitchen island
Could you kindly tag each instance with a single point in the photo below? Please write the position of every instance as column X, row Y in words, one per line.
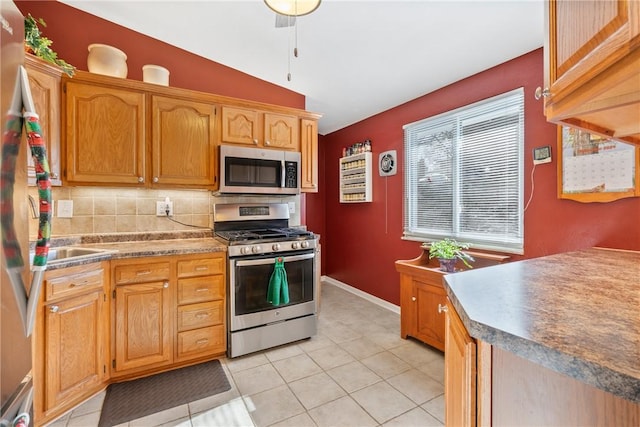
column 575, row 314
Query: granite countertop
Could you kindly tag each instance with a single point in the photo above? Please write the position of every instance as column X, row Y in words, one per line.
column 576, row 313
column 129, row 245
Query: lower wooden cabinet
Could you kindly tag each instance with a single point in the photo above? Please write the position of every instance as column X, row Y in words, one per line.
column 168, row 311
column 459, row 373
column 70, row 339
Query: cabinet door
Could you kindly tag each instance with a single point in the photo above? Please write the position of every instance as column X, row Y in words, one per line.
column 459, row 373
column 309, row 155
column 183, row 150
column 143, row 326
column 430, row 322
column 74, row 347
column 408, row 304
column 44, row 81
column 105, row 135
column 281, row 131
column 240, row 126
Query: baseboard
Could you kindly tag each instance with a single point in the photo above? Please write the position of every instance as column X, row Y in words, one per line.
column 378, row 301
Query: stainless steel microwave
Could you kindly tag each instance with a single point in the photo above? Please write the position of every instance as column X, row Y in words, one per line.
column 249, row 170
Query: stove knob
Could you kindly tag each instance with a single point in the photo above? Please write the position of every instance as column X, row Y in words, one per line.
column 295, row 245
column 276, row 246
column 245, row 250
column 256, row 249
column 304, row 244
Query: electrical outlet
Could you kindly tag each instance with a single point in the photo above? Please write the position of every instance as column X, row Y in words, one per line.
column 65, row 208
column 292, row 207
column 161, row 208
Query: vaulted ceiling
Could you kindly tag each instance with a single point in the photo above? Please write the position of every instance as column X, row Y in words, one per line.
column 356, row 58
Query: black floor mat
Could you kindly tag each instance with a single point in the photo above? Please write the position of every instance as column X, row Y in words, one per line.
column 134, row 399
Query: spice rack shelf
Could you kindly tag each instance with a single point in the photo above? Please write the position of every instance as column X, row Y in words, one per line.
column 355, row 178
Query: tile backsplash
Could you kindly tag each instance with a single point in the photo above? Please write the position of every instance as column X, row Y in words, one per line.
column 98, row 210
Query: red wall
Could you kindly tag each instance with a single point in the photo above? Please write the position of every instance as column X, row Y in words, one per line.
column 72, row 31
column 362, row 241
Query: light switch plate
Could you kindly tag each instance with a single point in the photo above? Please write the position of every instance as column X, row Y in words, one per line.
column 65, row 208
column 292, row 207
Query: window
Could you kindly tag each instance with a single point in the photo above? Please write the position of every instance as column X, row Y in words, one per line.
column 464, row 174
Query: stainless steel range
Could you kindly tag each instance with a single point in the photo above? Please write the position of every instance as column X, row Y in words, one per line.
column 257, row 236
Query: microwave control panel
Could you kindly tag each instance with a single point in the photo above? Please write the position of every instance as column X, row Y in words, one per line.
column 291, row 174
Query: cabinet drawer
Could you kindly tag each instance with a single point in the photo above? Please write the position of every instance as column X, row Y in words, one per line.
column 199, row 341
column 201, row 267
column 74, row 283
column 200, row 315
column 200, row 289
column 124, row 274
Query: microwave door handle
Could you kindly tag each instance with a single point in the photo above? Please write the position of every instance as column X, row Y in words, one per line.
column 266, row 261
column 282, row 173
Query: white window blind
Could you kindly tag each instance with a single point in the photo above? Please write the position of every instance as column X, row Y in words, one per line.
column 464, row 174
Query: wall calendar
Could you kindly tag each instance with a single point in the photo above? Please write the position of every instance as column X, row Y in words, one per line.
column 592, row 168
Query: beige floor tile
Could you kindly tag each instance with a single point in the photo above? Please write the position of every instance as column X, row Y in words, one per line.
column 416, row 417
column 387, row 339
column 341, row 413
column 361, row 348
column 382, row 401
column 339, row 332
column 246, row 362
column 296, row 367
column 272, row 406
column 162, row 417
column 316, row 342
column 255, row 380
column 302, row 420
column 386, row 364
column 416, row 353
column 92, row 405
column 182, row 422
column 90, row 419
column 232, row 414
column 353, row 376
column 416, row 385
column 434, row 369
column 435, row 407
column 214, row 401
column 330, row 357
column 282, row 352
column 316, row 390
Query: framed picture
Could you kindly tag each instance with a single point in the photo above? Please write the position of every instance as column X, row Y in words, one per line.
column 592, row 168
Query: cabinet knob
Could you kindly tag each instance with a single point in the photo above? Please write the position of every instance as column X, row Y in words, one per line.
column 165, row 285
column 54, row 308
column 267, row 143
column 140, row 179
column 542, row 93
column 54, row 176
column 413, row 298
column 255, row 142
column 442, row 308
column 155, row 179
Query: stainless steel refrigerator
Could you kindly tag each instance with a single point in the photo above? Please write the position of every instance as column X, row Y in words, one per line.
column 20, row 283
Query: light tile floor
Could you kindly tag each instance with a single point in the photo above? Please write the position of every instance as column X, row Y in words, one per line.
column 356, row 372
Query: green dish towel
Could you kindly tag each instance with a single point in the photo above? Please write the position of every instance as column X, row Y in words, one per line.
column 278, row 291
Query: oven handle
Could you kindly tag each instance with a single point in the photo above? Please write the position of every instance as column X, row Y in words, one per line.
column 283, row 166
column 240, row 263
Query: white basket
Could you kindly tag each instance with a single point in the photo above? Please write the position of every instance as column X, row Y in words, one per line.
column 155, row 74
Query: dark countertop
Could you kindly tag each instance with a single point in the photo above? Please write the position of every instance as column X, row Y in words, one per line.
column 576, row 313
column 132, row 245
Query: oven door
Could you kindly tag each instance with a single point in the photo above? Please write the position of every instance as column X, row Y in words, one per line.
column 249, row 282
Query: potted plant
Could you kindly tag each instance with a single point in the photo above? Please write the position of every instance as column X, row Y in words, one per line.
column 39, row 45
column 449, row 251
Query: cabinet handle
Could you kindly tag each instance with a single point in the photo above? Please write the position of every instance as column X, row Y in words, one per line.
column 442, row 308
column 202, row 290
column 143, row 272
column 202, row 341
column 542, row 93
column 140, row 179
column 155, row 179
column 202, row 268
column 165, row 285
column 54, row 309
column 202, row 315
column 413, row 298
column 54, row 176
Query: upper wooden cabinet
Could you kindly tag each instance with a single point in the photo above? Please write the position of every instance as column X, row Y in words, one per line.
column 183, row 149
column 592, row 66
column 247, row 126
column 44, row 80
column 309, row 155
column 105, row 135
